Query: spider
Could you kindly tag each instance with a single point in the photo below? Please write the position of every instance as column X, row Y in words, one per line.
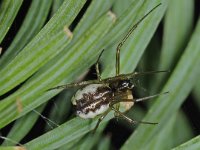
column 99, row 97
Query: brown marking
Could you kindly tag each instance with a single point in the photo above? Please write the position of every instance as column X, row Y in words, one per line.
column 1, row 50
column 102, row 96
column 19, row 105
column 19, row 148
column 112, row 15
column 97, row 106
column 68, row 32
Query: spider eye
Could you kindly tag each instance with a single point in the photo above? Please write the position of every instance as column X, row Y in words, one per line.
column 126, row 84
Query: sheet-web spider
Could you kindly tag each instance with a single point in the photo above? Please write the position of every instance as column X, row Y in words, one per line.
column 99, row 97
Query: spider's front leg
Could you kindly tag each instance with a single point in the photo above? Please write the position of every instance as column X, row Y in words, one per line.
column 79, row 84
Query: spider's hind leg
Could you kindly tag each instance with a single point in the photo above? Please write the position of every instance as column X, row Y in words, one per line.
column 100, row 119
column 120, row 114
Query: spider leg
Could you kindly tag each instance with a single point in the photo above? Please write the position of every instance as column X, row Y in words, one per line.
column 149, row 97
column 97, row 66
column 118, row 113
column 129, row 119
column 111, row 79
column 83, row 83
column 126, row 37
column 130, row 75
column 146, row 73
column 100, row 119
column 137, row 99
column 70, row 85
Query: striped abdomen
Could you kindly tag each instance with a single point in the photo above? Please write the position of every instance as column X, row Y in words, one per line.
column 92, row 100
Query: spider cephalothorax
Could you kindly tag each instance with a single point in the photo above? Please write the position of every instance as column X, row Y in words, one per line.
column 122, row 85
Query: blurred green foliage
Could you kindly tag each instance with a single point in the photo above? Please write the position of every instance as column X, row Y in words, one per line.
column 44, row 53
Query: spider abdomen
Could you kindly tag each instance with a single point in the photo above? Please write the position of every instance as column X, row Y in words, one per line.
column 92, row 100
